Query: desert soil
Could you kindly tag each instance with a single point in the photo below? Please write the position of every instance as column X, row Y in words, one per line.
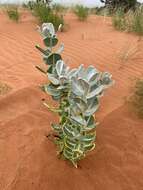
column 28, row 159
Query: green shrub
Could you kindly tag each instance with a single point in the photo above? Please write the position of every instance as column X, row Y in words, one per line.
column 41, row 11
column 81, row 12
column 45, row 14
column 78, row 92
column 137, row 98
column 13, row 13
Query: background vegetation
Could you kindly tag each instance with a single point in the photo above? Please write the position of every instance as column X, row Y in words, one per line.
column 131, row 21
column 125, row 4
column 45, row 13
column 13, row 13
column 137, row 98
column 81, row 12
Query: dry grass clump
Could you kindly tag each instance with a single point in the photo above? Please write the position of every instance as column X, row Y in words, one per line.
column 137, row 98
column 119, row 20
column 128, row 52
column 4, row 88
column 132, row 21
column 137, row 25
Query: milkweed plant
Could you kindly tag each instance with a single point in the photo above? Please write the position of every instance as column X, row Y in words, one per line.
column 78, row 92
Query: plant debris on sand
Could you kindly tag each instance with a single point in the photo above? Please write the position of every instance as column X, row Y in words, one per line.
column 4, row 88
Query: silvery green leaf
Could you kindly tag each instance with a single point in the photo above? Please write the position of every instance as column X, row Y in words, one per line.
column 53, row 79
column 62, row 87
column 79, row 119
column 61, row 49
column 60, row 143
column 87, row 139
column 89, row 147
column 91, row 73
column 70, row 143
column 76, row 72
column 106, row 78
column 52, row 58
column 50, row 69
column 48, row 29
column 80, row 71
column 72, row 73
column 50, row 89
column 90, row 120
column 93, row 105
column 80, row 104
column 78, row 152
column 95, row 92
column 67, row 154
column 71, row 96
column 60, row 67
column 79, row 87
column 90, row 123
column 74, row 109
column 56, row 127
column 70, row 131
column 50, row 41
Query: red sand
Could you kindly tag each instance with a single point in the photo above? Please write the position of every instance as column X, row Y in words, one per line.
column 27, row 158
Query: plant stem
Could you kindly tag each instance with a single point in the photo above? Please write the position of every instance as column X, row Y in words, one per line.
column 51, row 108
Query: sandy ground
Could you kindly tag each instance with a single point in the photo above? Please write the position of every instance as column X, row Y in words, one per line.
column 27, row 158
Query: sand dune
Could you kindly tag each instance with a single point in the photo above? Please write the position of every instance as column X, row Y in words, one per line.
column 27, row 159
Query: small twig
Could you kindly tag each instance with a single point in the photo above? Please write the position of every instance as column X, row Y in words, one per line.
column 40, row 69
